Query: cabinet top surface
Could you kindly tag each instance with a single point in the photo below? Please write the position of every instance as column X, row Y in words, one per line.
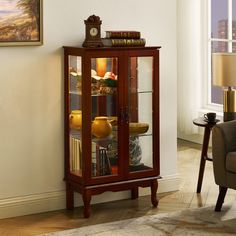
column 111, row 48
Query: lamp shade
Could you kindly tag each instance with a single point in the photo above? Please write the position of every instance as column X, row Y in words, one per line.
column 224, row 69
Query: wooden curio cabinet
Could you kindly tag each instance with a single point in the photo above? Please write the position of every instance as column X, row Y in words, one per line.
column 111, row 121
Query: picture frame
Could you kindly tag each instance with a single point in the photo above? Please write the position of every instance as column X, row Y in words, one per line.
column 21, row 23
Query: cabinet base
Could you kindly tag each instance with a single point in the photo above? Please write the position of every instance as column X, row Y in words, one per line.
column 88, row 191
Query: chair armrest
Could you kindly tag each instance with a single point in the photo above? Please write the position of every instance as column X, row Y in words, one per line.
column 223, row 141
column 228, row 133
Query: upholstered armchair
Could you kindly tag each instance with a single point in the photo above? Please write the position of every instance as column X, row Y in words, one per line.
column 224, row 158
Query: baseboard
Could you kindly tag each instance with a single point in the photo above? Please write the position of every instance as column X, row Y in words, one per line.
column 168, row 183
column 38, row 203
column 195, row 138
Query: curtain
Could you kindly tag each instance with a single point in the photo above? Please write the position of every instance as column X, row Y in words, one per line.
column 189, row 61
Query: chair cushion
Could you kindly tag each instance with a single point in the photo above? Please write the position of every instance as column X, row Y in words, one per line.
column 231, row 162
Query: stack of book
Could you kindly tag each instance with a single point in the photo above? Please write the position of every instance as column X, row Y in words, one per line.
column 100, row 162
column 123, row 39
column 75, row 155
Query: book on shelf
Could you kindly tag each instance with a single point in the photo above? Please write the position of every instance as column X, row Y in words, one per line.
column 95, row 161
column 112, row 42
column 105, row 166
column 75, row 154
column 100, row 162
column 128, row 34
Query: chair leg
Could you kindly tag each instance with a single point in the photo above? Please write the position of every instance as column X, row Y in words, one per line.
column 221, row 197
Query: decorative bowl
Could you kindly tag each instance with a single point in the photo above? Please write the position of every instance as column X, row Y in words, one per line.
column 138, row 128
column 101, row 127
column 75, row 119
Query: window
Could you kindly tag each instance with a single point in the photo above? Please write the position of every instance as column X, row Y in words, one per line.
column 222, row 38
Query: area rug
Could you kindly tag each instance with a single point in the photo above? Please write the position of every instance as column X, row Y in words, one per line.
column 201, row 221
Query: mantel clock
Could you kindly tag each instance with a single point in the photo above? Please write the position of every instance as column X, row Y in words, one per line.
column 93, row 32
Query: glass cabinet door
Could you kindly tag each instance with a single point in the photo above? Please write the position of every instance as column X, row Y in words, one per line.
column 140, row 113
column 107, row 107
column 75, row 115
column 104, row 116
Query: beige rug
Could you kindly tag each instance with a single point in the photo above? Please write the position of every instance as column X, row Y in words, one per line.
column 202, row 221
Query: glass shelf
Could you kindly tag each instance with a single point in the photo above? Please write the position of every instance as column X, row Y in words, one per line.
column 105, row 94
column 107, row 139
column 102, row 94
column 141, row 135
column 140, row 167
column 75, row 93
column 144, row 91
column 93, row 95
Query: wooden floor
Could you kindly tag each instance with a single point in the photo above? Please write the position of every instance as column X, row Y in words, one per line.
column 186, row 197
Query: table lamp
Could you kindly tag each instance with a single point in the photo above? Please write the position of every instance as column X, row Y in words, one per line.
column 224, row 75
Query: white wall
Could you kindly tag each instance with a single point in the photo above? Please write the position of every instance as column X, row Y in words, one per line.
column 31, row 97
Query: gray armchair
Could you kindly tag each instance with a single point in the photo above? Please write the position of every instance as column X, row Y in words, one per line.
column 224, row 158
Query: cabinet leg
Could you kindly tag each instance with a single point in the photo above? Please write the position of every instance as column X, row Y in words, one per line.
column 69, row 197
column 86, row 200
column 134, row 193
column 154, row 199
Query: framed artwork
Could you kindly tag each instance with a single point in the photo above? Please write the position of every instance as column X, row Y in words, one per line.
column 21, row 22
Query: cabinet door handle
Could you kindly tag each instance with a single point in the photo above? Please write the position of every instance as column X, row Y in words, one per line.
column 122, row 115
column 126, row 114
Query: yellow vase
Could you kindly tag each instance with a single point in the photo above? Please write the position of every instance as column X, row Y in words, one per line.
column 101, row 127
column 75, row 119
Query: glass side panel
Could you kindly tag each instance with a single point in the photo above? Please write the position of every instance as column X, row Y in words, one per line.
column 75, row 117
column 140, row 113
column 104, row 82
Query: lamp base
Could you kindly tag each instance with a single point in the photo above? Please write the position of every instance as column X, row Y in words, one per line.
column 229, row 104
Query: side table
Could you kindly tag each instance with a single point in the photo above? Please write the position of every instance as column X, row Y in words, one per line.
column 204, row 156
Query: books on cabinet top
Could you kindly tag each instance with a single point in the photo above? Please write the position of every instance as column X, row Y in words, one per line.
column 128, row 34
column 110, row 42
column 123, row 38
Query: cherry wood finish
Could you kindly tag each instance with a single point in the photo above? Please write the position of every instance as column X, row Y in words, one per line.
column 85, row 184
column 204, row 155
